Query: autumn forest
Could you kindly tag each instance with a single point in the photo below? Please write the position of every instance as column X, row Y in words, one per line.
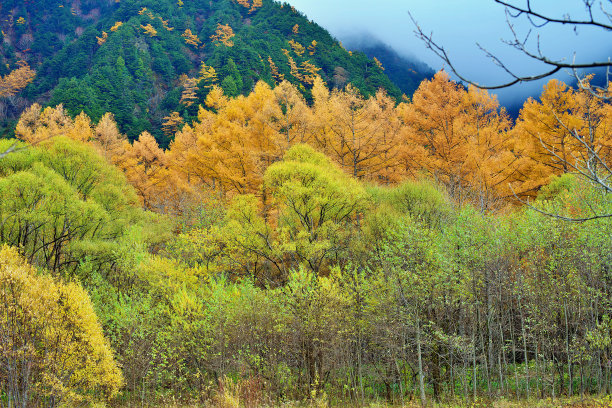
column 309, row 238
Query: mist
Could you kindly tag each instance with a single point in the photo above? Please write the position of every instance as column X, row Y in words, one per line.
column 459, row 26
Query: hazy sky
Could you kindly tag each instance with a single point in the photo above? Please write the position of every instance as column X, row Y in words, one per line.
column 459, row 25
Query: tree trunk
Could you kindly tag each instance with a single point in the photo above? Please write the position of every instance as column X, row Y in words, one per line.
column 420, row 356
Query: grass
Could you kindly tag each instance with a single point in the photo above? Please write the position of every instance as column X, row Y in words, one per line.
column 230, row 398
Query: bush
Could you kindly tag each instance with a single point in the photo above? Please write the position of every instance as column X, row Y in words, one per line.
column 52, row 349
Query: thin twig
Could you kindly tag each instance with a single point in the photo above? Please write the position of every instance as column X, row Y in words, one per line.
column 513, row 12
column 557, row 216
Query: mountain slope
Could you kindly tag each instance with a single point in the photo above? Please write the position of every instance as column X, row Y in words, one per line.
column 406, row 73
column 133, row 58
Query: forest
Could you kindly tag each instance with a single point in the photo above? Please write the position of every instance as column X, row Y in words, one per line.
column 309, row 238
column 342, row 251
column 133, row 58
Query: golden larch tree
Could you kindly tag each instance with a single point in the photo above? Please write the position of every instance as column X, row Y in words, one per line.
column 312, row 48
column 293, row 121
column 457, row 137
column 278, row 77
column 172, row 123
column 146, row 169
column 108, row 141
column 102, row 40
column 37, row 124
column 149, row 30
column 256, row 4
column 378, row 63
column 188, row 97
column 566, row 131
column 223, row 35
column 297, row 47
column 360, row 134
column 207, row 74
column 16, row 80
column 191, row 38
column 116, row 26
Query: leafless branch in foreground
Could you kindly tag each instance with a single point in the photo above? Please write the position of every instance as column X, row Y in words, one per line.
column 537, row 20
column 11, row 149
column 591, row 166
column 557, row 216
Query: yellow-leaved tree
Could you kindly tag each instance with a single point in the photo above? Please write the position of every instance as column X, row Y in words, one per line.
column 458, row 137
column 359, row 134
column 189, row 95
column 52, row 350
column 16, row 80
column 229, row 150
column 223, row 35
column 145, row 168
column 37, row 124
column 565, row 131
column 208, row 75
column 191, row 38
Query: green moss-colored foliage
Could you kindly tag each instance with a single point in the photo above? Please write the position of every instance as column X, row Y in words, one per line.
column 64, row 206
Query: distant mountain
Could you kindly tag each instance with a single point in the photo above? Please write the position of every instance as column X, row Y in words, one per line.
column 405, row 72
column 133, row 57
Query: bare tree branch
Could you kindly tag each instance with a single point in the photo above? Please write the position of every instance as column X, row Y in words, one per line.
column 11, row 149
column 557, row 216
column 531, row 14
column 537, row 20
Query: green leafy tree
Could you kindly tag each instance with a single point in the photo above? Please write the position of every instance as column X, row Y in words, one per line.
column 316, row 204
column 61, row 202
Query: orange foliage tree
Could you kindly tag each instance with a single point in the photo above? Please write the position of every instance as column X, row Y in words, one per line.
column 457, row 136
column 297, row 47
column 294, row 119
column 312, row 47
column 102, row 40
column 16, row 80
column 188, row 97
column 172, row 123
column 360, row 134
column 231, row 149
column 37, row 124
column 145, row 168
column 566, row 131
column 191, row 38
column 223, row 35
column 278, row 77
column 149, row 29
column 116, row 26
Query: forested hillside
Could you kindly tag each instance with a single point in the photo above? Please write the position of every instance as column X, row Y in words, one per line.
column 339, row 251
column 407, row 73
column 144, row 60
column 215, row 204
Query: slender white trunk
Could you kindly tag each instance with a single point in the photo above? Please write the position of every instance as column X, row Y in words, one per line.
column 421, row 379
